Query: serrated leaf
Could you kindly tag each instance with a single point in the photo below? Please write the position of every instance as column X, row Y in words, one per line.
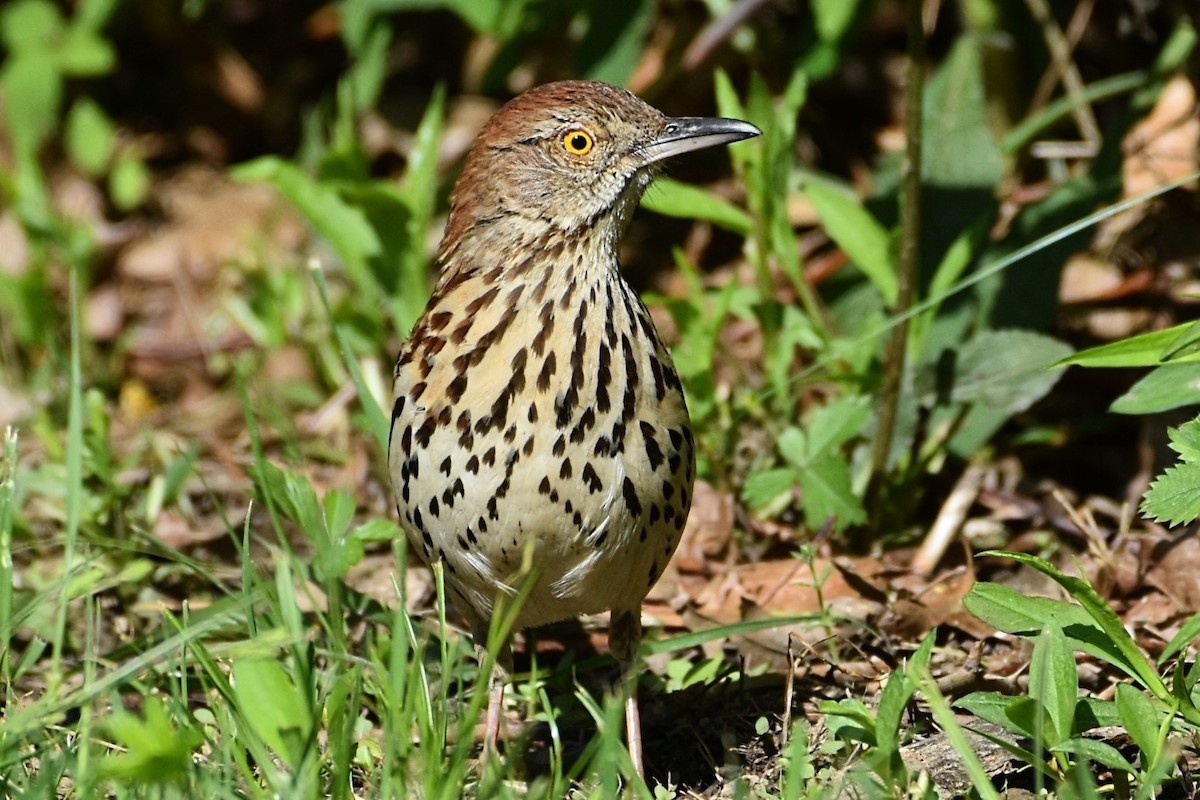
column 674, row 198
column 1174, row 496
column 833, row 424
column 1185, row 440
column 829, row 492
column 769, row 492
column 1166, row 387
column 1008, row 370
column 793, row 446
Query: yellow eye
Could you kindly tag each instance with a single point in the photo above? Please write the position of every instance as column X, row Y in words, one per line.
column 577, row 142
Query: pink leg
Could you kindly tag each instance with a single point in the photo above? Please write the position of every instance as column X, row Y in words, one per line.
column 633, row 717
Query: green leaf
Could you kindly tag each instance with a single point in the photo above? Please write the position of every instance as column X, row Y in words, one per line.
column 377, row 530
column 156, row 750
column 958, row 148
column 274, row 707
column 833, row 424
column 1174, row 496
column 1053, row 681
column 1164, row 388
column 129, row 182
column 829, row 492
column 855, row 230
column 1008, row 370
column 1144, row 350
column 1140, row 718
column 770, row 492
column 1188, row 343
column 1188, row 632
column 673, row 198
column 616, row 31
column 32, row 90
column 1093, row 750
column 995, row 708
column 29, row 26
column 1118, row 647
column 89, row 137
column 1185, row 440
column 345, row 227
column 84, row 53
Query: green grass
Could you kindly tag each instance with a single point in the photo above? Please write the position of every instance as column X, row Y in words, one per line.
column 235, row 660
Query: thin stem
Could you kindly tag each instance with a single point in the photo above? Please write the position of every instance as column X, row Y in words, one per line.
column 909, row 256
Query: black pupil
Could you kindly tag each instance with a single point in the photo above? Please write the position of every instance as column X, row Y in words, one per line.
column 578, row 141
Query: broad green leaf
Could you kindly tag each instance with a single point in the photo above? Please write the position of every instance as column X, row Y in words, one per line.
column 1188, row 343
column 1166, row 387
column 829, row 492
column 1144, row 350
column 1140, row 718
column 673, row 198
column 1174, row 496
column 1053, row 681
column 1097, row 751
column 993, row 707
column 32, row 90
column 1128, row 655
column 29, row 25
column 274, row 707
column 958, row 149
column 1011, row 611
column 1008, row 370
column 855, row 230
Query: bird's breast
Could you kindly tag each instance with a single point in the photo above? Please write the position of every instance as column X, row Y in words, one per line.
column 541, row 429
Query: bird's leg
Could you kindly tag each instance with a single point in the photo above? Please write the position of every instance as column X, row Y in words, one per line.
column 624, row 635
column 497, row 678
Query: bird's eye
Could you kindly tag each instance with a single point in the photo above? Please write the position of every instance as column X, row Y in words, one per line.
column 577, row 142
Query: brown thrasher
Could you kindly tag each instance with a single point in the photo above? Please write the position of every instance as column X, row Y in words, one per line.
column 539, row 433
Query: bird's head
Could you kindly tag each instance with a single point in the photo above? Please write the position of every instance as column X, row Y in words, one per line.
column 571, row 155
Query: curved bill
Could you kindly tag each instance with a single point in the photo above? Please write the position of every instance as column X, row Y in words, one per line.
column 685, row 134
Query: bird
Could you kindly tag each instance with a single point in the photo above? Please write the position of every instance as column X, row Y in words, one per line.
column 540, row 441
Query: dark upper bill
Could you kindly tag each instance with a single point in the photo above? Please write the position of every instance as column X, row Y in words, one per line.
column 685, row 134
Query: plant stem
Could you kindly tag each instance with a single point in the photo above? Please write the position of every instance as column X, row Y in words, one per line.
column 908, row 261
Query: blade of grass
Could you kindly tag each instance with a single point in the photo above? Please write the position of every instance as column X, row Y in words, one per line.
column 74, row 493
